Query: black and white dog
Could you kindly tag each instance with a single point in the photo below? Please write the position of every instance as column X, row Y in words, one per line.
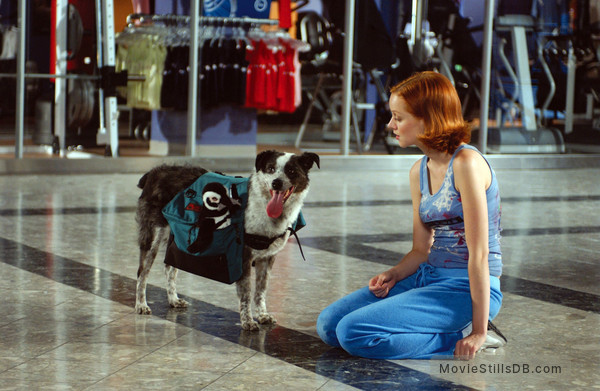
column 276, row 191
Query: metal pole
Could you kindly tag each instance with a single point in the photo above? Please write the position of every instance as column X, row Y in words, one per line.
column 192, row 112
column 185, row 18
column 111, row 114
column 77, row 76
column 48, row 76
column 347, row 87
column 100, row 62
column 570, row 99
column 60, row 85
column 416, row 36
column 20, row 104
column 486, row 68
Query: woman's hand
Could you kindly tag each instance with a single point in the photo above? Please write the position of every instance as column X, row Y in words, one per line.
column 381, row 284
column 467, row 347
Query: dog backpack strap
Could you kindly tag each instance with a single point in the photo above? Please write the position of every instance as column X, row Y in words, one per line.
column 293, row 231
column 299, row 223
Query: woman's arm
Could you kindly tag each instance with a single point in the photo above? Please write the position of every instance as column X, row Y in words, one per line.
column 472, row 177
column 422, row 241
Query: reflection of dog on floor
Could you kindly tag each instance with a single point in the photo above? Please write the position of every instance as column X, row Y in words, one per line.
column 276, row 192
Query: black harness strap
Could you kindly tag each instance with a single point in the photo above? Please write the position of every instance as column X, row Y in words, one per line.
column 297, row 240
column 260, row 242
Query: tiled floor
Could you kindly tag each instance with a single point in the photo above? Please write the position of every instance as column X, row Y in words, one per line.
column 68, row 262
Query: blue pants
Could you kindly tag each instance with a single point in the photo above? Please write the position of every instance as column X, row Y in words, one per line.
column 423, row 316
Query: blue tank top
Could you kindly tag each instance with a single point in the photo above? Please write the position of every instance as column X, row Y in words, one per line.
column 443, row 213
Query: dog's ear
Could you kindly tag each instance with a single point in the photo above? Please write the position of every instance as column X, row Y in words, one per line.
column 307, row 159
column 142, row 181
column 262, row 159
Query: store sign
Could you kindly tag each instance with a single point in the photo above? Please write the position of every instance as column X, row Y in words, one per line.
column 224, row 8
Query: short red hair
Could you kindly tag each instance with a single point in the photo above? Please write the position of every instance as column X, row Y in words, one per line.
column 430, row 96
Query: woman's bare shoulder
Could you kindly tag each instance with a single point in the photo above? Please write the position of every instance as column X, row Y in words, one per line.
column 469, row 159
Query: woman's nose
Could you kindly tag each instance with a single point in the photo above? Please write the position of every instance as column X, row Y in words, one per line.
column 390, row 125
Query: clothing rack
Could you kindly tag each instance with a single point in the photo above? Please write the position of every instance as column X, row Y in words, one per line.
column 194, row 20
column 240, row 66
column 146, row 18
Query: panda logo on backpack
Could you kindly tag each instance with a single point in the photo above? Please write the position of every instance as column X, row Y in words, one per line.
column 214, row 213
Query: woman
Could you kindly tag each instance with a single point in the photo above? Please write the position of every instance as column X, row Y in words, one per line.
column 439, row 298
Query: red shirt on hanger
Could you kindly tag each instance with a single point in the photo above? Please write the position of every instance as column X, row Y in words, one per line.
column 285, row 14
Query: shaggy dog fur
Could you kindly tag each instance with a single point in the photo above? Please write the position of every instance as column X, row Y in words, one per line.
column 276, row 192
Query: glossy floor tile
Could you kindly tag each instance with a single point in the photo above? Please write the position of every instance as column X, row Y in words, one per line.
column 68, row 262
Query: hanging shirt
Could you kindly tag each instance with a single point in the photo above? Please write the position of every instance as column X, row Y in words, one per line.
column 285, row 14
column 297, row 80
column 241, row 67
column 9, row 44
column 144, row 57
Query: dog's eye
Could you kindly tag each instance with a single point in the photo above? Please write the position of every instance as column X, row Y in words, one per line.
column 270, row 170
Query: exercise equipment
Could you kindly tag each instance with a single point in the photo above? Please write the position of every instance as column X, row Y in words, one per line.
column 373, row 50
column 530, row 136
column 322, row 76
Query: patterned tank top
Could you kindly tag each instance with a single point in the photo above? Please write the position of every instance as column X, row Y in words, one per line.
column 443, row 213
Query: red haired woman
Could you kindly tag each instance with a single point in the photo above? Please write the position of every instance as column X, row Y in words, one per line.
column 440, row 298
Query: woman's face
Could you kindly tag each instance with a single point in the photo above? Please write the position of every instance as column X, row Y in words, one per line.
column 404, row 125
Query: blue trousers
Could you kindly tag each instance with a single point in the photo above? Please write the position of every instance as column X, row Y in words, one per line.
column 422, row 316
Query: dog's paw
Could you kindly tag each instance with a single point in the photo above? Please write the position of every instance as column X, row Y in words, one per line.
column 250, row 326
column 266, row 319
column 143, row 309
column 179, row 303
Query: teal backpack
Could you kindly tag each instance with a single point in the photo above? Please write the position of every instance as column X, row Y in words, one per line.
column 210, row 246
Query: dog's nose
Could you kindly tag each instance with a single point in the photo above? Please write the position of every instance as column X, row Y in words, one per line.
column 277, row 184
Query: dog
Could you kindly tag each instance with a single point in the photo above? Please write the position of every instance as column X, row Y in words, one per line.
column 276, row 192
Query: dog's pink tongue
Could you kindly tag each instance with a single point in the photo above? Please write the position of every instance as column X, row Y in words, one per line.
column 275, row 205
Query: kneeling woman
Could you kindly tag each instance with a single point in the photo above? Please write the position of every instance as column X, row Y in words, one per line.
column 440, row 298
